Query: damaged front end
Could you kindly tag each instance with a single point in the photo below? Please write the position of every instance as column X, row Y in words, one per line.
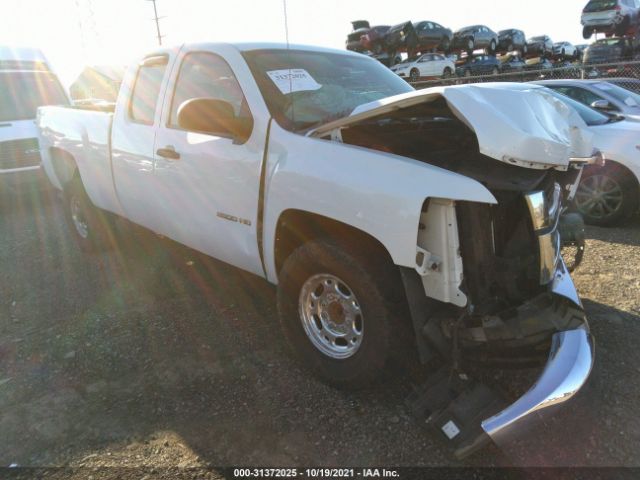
column 489, row 282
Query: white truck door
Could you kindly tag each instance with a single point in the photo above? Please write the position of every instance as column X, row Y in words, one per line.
column 208, row 183
column 133, row 135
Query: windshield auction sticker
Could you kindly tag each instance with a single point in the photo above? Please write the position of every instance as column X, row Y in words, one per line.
column 293, row 80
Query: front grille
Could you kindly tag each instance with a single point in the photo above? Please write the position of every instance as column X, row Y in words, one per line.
column 19, row 153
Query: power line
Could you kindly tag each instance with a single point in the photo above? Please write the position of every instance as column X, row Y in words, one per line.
column 157, row 20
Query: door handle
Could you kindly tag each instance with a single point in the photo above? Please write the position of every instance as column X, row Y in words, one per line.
column 168, row 152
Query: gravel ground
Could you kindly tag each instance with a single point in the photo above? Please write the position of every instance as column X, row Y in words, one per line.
column 151, row 356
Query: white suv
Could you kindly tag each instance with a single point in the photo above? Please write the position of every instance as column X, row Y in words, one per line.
column 609, row 16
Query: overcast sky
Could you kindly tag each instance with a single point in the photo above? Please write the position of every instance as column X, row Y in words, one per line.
column 76, row 32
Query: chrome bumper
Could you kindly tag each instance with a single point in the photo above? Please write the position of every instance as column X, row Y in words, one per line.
column 567, row 370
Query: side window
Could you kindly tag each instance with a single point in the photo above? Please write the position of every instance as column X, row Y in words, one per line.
column 206, row 75
column 146, row 89
column 580, row 94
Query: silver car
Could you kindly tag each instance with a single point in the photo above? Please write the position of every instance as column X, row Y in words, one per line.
column 609, row 16
column 600, row 95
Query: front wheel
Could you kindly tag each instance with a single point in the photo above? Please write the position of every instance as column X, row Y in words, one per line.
column 492, row 46
column 337, row 308
column 414, row 75
column 447, row 73
column 607, row 196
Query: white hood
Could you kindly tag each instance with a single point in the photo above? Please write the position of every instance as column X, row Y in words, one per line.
column 515, row 123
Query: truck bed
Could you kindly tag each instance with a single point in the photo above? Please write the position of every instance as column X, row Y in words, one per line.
column 84, row 132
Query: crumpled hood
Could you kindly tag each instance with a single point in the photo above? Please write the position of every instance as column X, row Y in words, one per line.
column 515, row 123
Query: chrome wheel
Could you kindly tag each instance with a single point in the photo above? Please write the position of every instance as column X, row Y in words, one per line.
column 331, row 316
column 599, row 196
column 78, row 218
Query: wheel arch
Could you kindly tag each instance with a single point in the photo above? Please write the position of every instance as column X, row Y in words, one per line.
column 297, row 227
column 64, row 165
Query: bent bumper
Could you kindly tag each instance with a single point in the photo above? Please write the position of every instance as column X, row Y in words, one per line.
column 570, row 362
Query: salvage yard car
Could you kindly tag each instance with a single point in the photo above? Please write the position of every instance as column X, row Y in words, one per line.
column 26, row 83
column 600, row 95
column 479, row 65
column 387, row 217
column 541, row 45
column 609, row 16
column 609, row 194
column 475, row 37
column 512, row 39
column 429, row 65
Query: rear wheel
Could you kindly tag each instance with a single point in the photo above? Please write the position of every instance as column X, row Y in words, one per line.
column 623, row 27
column 586, row 33
column 414, row 75
column 492, row 46
column 447, row 73
column 607, row 196
column 91, row 227
column 445, row 45
column 339, row 311
column 470, row 45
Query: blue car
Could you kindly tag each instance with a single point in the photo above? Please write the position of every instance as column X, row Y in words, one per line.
column 479, row 65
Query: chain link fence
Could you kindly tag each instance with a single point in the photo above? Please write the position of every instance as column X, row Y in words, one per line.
column 626, row 74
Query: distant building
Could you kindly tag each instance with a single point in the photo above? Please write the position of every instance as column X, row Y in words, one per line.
column 97, row 82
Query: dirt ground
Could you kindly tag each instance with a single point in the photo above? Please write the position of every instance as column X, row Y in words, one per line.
column 150, row 356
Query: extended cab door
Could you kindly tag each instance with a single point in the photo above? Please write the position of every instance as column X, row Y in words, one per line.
column 133, row 134
column 208, row 183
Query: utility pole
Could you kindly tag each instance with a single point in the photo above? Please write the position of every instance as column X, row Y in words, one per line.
column 157, row 20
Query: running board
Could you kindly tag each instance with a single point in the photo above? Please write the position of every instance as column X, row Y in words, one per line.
column 454, row 406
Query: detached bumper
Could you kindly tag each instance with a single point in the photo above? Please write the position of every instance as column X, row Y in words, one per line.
column 567, row 370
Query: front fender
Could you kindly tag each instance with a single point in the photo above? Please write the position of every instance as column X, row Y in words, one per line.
column 376, row 192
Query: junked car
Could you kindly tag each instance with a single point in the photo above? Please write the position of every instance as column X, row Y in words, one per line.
column 475, row 37
column 512, row 39
column 609, row 16
column 388, row 218
column 601, row 95
column 609, row 194
column 479, row 65
column 429, row 65
column 541, row 45
column 418, row 37
column 563, row 50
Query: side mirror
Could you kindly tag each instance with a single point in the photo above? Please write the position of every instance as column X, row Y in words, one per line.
column 601, row 105
column 214, row 117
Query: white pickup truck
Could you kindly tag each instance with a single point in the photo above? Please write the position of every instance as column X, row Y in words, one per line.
column 389, row 218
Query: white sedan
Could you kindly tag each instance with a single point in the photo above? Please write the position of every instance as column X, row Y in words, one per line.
column 608, row 195
column 428, row 65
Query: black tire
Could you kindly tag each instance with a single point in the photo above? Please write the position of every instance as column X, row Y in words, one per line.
column 471, row 44
column 525, row 50
column 587, row 32
column 91, row 227
column 495, row 71
column 623, row 28
column 445, row 45
column 447, row 73
column 510, row 47
column 612, row 209
column 492, row 46
column 377, row 288
column 414, row 75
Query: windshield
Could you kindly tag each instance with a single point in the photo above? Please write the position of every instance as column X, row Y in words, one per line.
column 304, row 89
column 590, row 116
column 600, row 5
column 21, row 93
column 623, row 95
